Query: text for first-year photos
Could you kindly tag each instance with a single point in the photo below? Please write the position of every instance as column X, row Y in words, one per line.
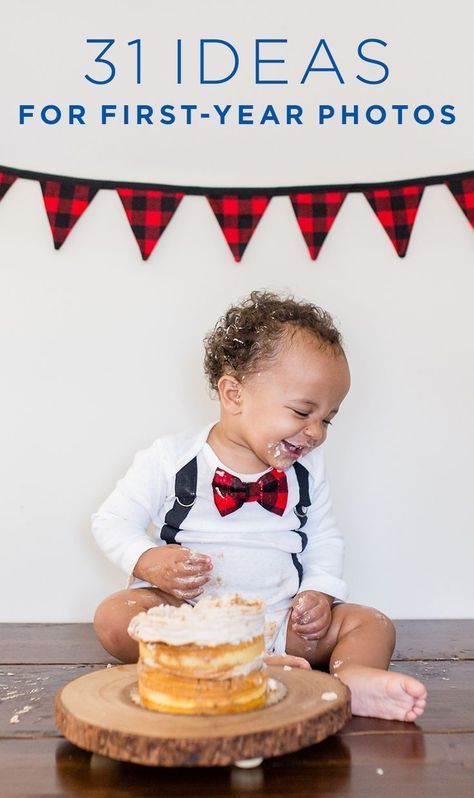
column 219, row 63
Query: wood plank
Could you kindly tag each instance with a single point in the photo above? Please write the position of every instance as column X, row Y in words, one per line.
column 434, row 639
column 449, row 684
column 39, row 643
column 425, row 766
column 76, row 643
column 27, row 695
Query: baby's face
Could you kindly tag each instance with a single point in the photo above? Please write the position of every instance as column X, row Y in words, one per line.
column 287, row 406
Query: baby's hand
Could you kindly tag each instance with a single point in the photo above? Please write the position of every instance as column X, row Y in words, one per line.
column 311, row 615
column 175, row 569
column 287, row 661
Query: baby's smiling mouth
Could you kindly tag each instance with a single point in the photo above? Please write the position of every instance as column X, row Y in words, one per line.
column 291, row 449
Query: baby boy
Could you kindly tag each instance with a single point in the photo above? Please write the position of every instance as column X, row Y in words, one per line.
column 244, row 506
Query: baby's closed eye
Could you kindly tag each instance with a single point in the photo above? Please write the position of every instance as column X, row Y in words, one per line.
column 302, row 414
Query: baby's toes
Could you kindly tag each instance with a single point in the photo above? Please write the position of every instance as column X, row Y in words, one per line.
column 419, row 706
column 414, row 713
column 416, row 710
column 419, row 690
column 415, row 689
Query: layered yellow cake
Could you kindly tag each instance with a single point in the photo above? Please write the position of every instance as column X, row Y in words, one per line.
column 202, row 659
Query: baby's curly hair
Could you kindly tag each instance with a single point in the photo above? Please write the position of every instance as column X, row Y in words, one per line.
column 253, row 331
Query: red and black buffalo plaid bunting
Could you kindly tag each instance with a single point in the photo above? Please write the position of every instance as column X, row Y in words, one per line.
column 149, row 207
column 65, row 202
column 396, row 210
column 463, row 193
column 230, row 493
column 149, row 213
column 238, row 217
column 315, row 214
column 6, row 181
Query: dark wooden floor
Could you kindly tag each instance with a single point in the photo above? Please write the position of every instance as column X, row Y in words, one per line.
column 434, row 757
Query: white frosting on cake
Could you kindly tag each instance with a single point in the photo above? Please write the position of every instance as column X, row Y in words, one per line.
column 210, row 622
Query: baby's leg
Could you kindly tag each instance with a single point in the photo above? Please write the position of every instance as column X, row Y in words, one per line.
column 113, row 615
column 358, row 647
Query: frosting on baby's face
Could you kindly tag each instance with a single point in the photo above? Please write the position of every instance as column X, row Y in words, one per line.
column 285, row 408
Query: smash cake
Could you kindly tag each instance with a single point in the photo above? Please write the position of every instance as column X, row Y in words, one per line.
column 202, row 659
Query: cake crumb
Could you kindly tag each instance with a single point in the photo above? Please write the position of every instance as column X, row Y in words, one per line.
column 130, row 602
column 15, row 718
column 287, row 668
column 380, row 771
column 109, row 665
column 272, row 684
column 329, row 696
column 134, row 695
column 249, row 763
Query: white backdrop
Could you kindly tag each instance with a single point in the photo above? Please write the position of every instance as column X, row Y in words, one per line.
column 101, row 353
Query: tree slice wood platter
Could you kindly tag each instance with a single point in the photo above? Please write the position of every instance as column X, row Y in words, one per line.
column 96, row 712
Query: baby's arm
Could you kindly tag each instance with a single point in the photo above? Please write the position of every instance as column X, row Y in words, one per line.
column 121, row 523
column 120, row 529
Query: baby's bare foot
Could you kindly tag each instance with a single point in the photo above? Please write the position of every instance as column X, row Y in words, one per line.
column 383, row 694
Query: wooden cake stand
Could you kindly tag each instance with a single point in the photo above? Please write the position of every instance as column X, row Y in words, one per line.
column 97, row 713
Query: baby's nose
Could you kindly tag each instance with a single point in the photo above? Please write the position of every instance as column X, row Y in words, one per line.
column 315, row 431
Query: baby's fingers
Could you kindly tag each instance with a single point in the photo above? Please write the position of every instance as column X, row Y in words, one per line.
column 310, row 631
column 316, row 615
column 184, row 569
column 193, row 562
column 191, row 582
column 186, row 594
column 302, row 606
column 188, row 587
column 287, row 661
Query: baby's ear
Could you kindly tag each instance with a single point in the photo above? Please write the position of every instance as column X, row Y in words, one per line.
column 230, row 391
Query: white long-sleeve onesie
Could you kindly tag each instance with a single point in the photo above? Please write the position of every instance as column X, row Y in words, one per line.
column 251, row 548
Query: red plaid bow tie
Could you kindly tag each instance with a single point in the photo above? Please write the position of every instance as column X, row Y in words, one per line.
column 271, row 491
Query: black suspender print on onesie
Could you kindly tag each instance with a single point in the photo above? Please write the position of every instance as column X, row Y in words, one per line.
column 302, row 475
column 185, row 493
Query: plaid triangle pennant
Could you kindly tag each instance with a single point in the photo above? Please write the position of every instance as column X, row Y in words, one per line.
column 396, row 210
column 65, row 202
column 238, row 217
column 463, row 193
column 6, row 181
column 149, row 213
column 315, row 214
